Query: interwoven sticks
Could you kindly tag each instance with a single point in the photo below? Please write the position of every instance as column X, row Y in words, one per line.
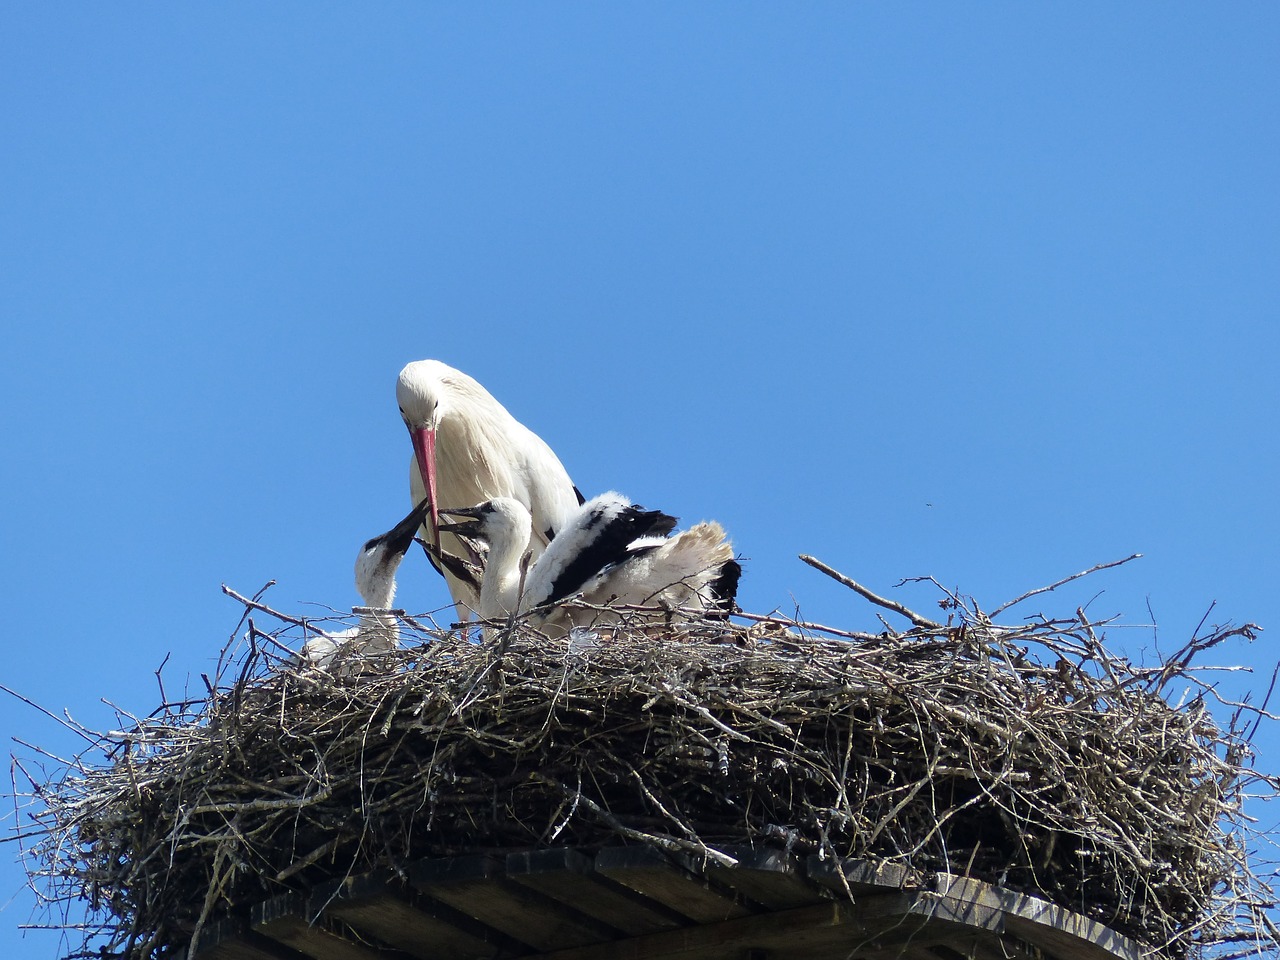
column 1025, row 756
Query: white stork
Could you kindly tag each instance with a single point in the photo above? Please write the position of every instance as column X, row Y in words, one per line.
column 376, row 565
column 467, row 449
column 610, row 552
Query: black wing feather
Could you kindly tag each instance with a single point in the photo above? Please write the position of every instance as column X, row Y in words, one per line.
column 725, row 589
column 615, row 534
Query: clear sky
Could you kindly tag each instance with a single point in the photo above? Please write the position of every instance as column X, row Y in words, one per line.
column 982, row 292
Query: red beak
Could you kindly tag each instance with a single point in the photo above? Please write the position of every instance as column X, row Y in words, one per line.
column 424, row 448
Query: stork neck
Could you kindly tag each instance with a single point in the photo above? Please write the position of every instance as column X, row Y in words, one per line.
column 500, row 589
column 376, row 583
column 378, row 589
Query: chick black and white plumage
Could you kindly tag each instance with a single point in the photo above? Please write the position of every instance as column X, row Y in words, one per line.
column 610, row 553
column 467, row 449
column 376, row 564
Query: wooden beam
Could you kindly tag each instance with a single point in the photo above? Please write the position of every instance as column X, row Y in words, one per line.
column 479, row 887
column 657, row 877
column 285, row 919
column 378, row 905
column 860, row 876
column 798, row 932
column 571, row 878
column 1055, row 930
column 771, row 878
column 233, row 940
column 636, row 903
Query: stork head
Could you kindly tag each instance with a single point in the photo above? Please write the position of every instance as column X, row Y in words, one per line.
column 421, row 392
column 499, row 522
column 379, row 558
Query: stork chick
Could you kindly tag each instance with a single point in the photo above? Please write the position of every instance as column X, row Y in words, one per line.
column 610, row 552
column 376, row 564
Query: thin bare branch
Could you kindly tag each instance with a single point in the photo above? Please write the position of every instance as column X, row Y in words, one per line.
column 255, row 605
column 1065, row 580
column 70, row 724
column 918, row 620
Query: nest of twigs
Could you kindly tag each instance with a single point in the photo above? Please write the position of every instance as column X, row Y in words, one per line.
column 1026, row 756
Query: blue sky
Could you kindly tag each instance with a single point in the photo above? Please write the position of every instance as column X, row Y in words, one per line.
column 986, row 293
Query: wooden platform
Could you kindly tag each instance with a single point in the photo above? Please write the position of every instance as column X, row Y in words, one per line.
column 633, row 903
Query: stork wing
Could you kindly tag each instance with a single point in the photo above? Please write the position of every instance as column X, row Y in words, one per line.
column 600, row 533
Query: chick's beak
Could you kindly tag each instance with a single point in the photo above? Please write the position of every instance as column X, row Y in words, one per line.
column 469, row 527
column 399, row 537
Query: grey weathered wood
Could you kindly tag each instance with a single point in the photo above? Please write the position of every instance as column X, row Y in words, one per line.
column 963, row 912
column 652, row 874
column 245, row 948
column 861, row 876
column 943, row 925
column 829, row 929
column 721, row 939
column 771, row 878
column 571, row 878
column 635, row 903
column 285, row 920
column 479, row 887
column 1053, row 929
column 377, row 905
column 233, row 940
column 1008, row 947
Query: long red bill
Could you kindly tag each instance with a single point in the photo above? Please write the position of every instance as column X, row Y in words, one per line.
column 424, row 448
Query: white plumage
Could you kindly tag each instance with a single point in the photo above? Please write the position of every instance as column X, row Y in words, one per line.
column 376, row 566
column 609, row 553
column 467, row 449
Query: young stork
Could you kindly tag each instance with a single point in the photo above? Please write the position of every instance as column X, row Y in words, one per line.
column 376, row 565
column 610, row 552
column 467, row 449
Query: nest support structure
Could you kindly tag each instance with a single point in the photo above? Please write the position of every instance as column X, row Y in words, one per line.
column 1023, row 756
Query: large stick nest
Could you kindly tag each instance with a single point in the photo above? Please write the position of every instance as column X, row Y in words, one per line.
column 1025, row 756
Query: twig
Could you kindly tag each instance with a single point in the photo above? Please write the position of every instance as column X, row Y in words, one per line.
column 317, row 854
column 1054, row 586
column 918, row 620
column 69, row 764
column 803, row 625
column 160, row 680
column 70, row 725
column 255, row 605
column 670, row 844
column 1266, row 700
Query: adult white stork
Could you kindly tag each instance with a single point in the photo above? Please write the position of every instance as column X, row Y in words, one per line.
column 467, row 449
column 609, row 553
column 376, row 566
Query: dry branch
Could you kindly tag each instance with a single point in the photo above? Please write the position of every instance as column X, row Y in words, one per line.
column 879, row 601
